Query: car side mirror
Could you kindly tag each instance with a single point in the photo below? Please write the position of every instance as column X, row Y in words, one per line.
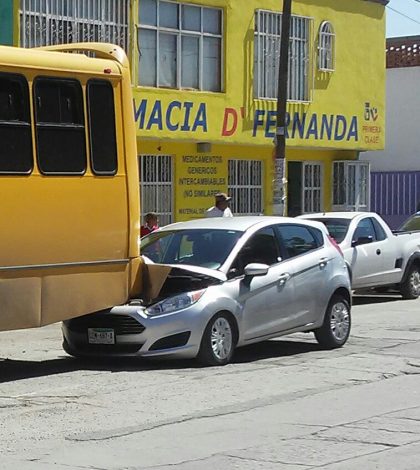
column 362, row 241
column 256, row 269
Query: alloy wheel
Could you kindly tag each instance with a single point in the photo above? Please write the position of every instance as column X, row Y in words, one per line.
column 340, row 321
column 415, row 282
column 221, row 338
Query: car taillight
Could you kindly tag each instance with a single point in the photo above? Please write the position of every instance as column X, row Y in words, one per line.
column 335, row 244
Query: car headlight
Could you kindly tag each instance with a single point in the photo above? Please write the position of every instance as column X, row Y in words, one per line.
column 173, row 304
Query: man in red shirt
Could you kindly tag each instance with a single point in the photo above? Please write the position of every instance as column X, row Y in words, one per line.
column 150, row 224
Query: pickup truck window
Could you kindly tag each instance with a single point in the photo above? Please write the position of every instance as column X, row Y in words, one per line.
column 365, row 228
column 412, row 223
column 380, row 232
column 337, row 228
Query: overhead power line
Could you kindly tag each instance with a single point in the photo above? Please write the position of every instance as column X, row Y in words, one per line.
column 403, row 14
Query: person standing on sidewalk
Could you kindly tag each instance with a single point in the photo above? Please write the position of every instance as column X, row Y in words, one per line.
column 221, row 206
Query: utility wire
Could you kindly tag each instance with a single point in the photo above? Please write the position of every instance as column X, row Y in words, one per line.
column 403, row 14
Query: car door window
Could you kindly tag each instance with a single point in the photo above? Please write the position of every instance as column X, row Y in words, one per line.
column 365, row 229
column 262, row 247
column 297, row 240
column 380, row 232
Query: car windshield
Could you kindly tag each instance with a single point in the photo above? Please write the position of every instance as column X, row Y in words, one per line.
column 337, row 228
column 207, row 248
column 412, row 223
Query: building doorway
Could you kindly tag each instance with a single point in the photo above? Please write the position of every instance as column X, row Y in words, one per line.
column 304, row 189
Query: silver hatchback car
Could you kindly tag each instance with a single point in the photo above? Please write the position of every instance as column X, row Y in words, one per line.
column 216, row 284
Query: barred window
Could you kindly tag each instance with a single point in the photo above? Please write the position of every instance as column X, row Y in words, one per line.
column 68, row 21
column 326, row 47
column 156, row 182
column 312, row 187
column 267, row 56
column 180, row 45
column 351, row 185
column 245, row 186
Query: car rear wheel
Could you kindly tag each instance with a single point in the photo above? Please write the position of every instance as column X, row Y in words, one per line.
column 217, row 343
column 337, row 323
column 410, row 287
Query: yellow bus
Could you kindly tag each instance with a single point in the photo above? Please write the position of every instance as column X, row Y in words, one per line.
column 69, row 183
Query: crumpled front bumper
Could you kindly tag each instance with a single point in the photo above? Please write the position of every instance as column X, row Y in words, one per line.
column 136, row 334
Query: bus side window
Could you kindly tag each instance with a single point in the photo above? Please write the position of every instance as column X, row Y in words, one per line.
column 15, row 125
column 101, row 112
column 60, row 127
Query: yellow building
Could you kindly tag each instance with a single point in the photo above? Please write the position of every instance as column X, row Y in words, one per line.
column 205, row 107
column 205, row 96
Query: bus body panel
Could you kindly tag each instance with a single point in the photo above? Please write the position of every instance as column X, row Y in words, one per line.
column 54, row 220
column 70, row 242
column 40, row 297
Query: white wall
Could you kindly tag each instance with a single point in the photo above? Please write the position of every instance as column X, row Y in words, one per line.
column 402, row 150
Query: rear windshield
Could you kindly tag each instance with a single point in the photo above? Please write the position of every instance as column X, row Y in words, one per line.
column 413, row 223
column 337, row 228
column 206, row 248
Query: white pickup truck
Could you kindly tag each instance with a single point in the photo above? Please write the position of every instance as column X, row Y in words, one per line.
column 375, row 256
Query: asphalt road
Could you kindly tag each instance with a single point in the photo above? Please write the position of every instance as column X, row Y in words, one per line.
column 282, row 404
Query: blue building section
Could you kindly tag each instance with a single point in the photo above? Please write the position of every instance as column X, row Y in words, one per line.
column 395, row 195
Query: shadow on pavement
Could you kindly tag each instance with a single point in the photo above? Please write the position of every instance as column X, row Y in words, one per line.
column 12, row 370
column 375, row 298
column 274, row 349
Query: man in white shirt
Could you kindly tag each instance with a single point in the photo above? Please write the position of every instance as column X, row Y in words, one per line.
column 221, row 207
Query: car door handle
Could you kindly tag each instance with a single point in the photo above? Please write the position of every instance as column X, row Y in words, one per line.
column 323, row 262
column 378, row 251
column 283, row 278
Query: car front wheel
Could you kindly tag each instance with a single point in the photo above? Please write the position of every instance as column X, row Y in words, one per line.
column 217, row 343
column 410, row 287
column 335, row 330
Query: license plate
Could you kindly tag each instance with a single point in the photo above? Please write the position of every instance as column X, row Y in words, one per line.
column 101, row 336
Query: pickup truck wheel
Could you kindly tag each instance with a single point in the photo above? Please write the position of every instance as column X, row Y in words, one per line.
column 410, row 287
column 337, row 323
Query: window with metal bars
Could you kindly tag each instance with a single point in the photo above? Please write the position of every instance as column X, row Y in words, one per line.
column 180, row 45
column 351, row 187
column 326, row 47
column 245, row 186
column 68, row 21
column 267, row 56
column 156, row 182
column 312, row 187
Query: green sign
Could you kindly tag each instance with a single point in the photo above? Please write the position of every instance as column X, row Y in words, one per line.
column 6, row 22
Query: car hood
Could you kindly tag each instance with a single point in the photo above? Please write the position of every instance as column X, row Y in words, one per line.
column 207, row 272
column 168, row 279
